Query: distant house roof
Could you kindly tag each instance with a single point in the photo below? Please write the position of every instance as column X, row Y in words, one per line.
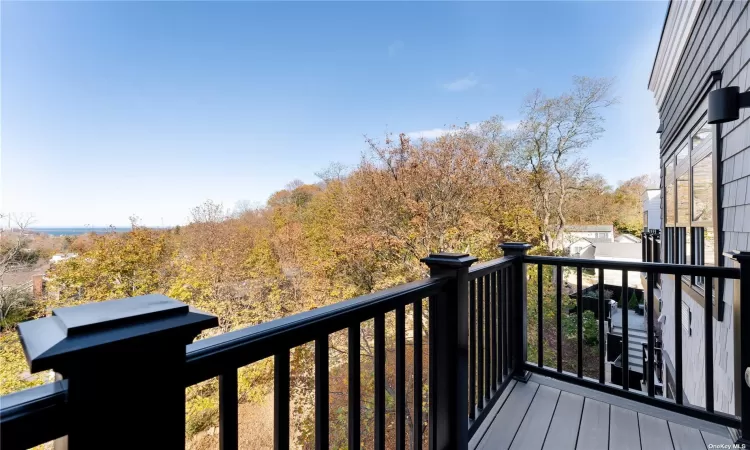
column 609, row 228
column 589, row 241
column 628, row 237
column 618, row 250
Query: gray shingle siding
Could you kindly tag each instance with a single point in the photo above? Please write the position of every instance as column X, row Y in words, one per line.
column 719, row 41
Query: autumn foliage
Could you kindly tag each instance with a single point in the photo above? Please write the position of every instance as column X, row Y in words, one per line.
column 354, row 232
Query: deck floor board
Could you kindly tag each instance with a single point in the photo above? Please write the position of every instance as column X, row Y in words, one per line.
column 543, row 413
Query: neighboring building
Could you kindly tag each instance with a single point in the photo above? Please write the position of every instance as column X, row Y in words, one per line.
column 581, row 248
column 627, row 239
column 705, row 182
column 651, row 199
column 592, row 233
column 59, row 257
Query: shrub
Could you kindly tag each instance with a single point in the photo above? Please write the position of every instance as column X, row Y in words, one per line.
column 633, row 302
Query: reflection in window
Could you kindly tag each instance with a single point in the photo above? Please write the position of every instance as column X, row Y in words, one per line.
column 703, row 190
column 702, row 138
column 669, row 191
column 682, row 156
column 708, row 246
column 683, row 199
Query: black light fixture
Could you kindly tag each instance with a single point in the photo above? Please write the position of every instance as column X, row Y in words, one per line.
column 724, row 104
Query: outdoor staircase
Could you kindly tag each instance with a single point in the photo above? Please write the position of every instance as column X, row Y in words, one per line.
column 636, row 338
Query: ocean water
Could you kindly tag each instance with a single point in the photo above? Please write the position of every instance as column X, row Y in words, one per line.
column 76, row 231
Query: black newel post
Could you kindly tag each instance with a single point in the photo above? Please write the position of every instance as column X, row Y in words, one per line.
column 741, row 317
column 124, row 362
column 449, row 352
column 518, row 308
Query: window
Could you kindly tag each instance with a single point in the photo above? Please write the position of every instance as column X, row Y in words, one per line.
column 669, row 192
column 703, row 190
column 683, row 199
column 689, row 204
column 602, row 235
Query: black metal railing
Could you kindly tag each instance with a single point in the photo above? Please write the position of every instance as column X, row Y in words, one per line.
column 490, row 312
column 224, row 354
column 719, row 274
column 476, row 338
column 651, row 246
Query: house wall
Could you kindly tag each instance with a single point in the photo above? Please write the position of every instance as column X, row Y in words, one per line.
column 587, row 252
column 718, row 41
column 572, row 236
column 693, row 348
column 652, row 206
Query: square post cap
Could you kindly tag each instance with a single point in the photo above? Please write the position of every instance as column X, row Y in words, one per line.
column 142, row 322
column 739, row 256
column 449, row 260
column 514, row 248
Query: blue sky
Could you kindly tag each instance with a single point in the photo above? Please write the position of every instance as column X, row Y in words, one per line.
column 113, row 109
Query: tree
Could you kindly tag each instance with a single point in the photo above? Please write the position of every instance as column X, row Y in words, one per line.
column 547, row 144
column 629, row 206
column 15, row 255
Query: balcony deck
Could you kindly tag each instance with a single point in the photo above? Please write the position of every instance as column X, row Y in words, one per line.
column 550, row 414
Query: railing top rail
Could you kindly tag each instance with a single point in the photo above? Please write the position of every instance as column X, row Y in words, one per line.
column 491, row 266
column 34, row 416
column 210, row 357
column 633, row 266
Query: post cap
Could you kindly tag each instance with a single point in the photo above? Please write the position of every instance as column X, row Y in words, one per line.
column 55, row 341
column 514, row 248
column 453, row 260
column 739, row 256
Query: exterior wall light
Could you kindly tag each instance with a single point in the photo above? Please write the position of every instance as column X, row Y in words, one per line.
column 724, row 104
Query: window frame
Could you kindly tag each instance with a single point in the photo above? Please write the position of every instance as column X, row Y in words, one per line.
column 680, row 232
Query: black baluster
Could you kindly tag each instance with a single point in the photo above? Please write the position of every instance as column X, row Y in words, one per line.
column 650, row 329
column 709, row 333
column 499, row 330
column 321, row 393
column 559, row 318
column 487, row 342
column 493, row 327
column 354, row 387
column 602, row 315
column 503, row 322
column 417, row 413
column 624, row 311
column 579, row 313
column 400, row 378
column 678, row 342
column 228, row 413
column 540, row 314
column 472, row 348
column 480, row 343
column 281, row 401
column 380, row 381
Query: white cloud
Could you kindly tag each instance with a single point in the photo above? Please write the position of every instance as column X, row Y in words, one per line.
column 462, row 84
column 395, row 47
column 435, row 133
column 430, row 134
column 511, row 124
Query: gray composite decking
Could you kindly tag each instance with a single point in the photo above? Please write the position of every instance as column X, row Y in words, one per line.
column 550, row 414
